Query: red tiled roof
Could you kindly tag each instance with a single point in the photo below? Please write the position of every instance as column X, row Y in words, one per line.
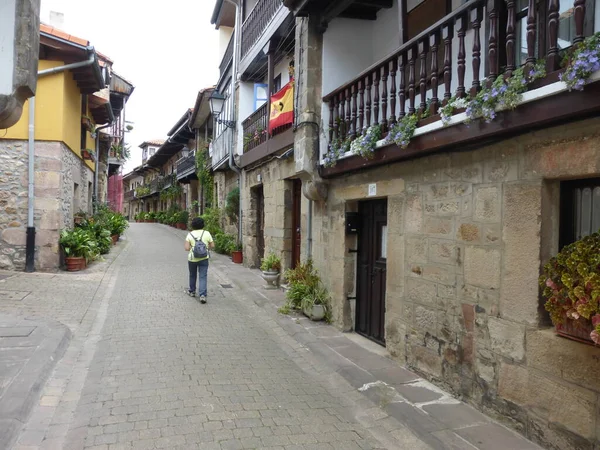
column 157, row 142
column 61, row 34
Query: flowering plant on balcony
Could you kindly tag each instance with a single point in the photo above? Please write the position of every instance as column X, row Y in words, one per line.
column 364, row 145
column 403, row 130
column 583, row 61
column 255, row 137
column 571, row 285
column 453, row 104
column 337, row 147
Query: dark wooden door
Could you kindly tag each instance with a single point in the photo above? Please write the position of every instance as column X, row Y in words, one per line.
column 371, row 270
column 296, row 215
column 260, row 223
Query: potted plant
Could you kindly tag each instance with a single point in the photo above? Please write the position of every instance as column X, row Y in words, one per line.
column 237, row 255
column 182, row 219
column 88, row 154
column 571, row 286
column 270, row 267
column 316, row 303
column 78, row 244
column 79, row 217
column 87, row 122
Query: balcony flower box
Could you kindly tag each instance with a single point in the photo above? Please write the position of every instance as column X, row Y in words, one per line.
column 88, row 155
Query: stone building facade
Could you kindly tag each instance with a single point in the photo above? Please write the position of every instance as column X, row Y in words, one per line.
column 63, row 186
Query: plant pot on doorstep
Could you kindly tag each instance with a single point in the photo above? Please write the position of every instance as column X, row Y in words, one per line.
column 272, row 278
column 576, row 330
column 237, row 257
column 114, row 238
column 314, row 312
column 181, row 226
column 75, row 263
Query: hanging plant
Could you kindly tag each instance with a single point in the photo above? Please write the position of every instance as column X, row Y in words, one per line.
column 403, row 130
column 453, row 104
column 583, row 61
column 365, row 145
column 337, row 147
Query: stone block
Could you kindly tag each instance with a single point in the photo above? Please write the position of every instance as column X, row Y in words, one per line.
column 492, row 233
column 50, row 220
column 501, row 170
column 468, row 232
column 46, row 238
column 14, row 236
column 507, row 338
column 395, row 337
column 487, row 202
column 438, row 274
column 521, row 238
column 438, row 191
column 565, row 404
column 563, row 358
column 425, row 319
column 48, row 150
column 439, row 227
column 482, row 267
column 47, row 180
column 414, row 213
column 48, row 165
column 445, row 252
column 416, row 249
column 420, row 291
column 426, row 360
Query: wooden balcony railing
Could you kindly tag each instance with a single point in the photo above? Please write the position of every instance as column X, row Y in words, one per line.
column 186, row 166
column 129, row 195
column 227, row 57
column 424, row 66
column 255, row 128
column 257, row 21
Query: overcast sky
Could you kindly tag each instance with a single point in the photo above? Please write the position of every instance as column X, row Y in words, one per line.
column 168, row 50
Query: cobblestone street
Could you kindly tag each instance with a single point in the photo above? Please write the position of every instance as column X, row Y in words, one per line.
column 149, row 367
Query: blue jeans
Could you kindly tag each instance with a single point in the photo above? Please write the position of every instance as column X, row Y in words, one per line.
column 200, row 267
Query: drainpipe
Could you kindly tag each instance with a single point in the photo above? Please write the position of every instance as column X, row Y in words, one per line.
column 234, row 67
column 30, row 239
column 96, row 131
column 309, row 226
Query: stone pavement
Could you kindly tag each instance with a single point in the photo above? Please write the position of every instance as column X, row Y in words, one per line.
column 149, row 367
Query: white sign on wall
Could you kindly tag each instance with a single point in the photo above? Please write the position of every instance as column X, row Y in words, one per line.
column 372, row 189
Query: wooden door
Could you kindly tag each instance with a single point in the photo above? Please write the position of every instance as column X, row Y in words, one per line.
column 296, row 216
column 371, row 270
column 260, row 223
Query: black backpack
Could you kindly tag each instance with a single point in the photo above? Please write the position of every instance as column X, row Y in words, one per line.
column 200, row 250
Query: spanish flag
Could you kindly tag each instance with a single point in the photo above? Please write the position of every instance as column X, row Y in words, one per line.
column 282, row 107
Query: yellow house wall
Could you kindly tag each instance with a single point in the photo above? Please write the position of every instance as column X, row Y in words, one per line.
column 57, row 112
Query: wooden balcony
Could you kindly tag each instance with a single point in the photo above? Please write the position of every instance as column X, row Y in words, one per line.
column 422, row 75
column 258, row 143
column 129, row 195
column 227, row 57
column 186, row 168
column 256, row 23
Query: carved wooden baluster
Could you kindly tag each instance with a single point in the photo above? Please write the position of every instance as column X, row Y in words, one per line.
column 411, row 80
column 510, row 37
column 342, row 116
column 552, row 58
column 331, row 121
column 384, row 97
column 402, row 87
column 531, row 24
column 348, row 112
column 368, row 84
column 361, row 106
column 423, row 73
column 461, row 30
column 434, row 43
column 492, row 7
column 376, row 97
column 579, row 6
column 336, row 111
column 353, row 116
column 476, row 16
column 393, row 70
column 447, row 34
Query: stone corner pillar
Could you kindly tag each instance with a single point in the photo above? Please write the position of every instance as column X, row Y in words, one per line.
column 19, row 33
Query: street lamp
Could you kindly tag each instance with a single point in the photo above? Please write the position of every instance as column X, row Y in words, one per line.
column 216, row 103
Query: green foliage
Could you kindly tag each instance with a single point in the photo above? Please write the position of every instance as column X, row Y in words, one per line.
column 271, row 263
column 79, row 242
column 232, row 204
column 212, row 221
column 571, row 284
column 203, row 172
column 224, row 243
column 142, row 191
column 306, row 289
column 183, row 217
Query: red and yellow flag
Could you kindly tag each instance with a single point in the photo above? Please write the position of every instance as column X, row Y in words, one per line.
column 282, row 107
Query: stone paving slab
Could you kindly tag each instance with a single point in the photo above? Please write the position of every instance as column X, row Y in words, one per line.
column 29, row 349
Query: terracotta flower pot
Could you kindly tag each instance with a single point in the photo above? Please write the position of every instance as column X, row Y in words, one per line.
column 75, row 263
column 237, row 257
column 115, row 238
column 181, row 226
column 576, row 330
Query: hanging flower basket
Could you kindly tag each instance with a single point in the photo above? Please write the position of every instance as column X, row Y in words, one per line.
column 88, row 155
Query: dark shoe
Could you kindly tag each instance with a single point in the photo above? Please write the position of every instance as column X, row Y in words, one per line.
column 190, row 293
column 203, row 299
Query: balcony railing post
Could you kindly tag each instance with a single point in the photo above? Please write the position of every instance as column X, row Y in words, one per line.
column 402, row 87
column 393, row 71
column 423, row 48
column 510, row 37
column 411, row 80
column 476, row 16
column 579, row 6
column 361, row 106
column 353, row 116
column 531, row 31
column 461, row 27
column 376, row 97
column 552, row 58
column 368, row 113
column 492, row 9
column 434, row 43
column 384, row 97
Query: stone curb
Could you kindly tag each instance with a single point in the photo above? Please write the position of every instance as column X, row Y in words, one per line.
column 24, row 392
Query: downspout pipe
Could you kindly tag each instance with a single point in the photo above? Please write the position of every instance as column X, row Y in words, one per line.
column 96, row 131
column 234, row 67
column 30, row 236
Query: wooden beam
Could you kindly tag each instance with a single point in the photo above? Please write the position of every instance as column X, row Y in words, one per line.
column 360, row 14
column 387, row 4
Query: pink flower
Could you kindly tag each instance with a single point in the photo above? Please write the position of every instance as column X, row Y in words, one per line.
column 573, row 314
column 595, row 336
column 551, row 284
column 596, row 320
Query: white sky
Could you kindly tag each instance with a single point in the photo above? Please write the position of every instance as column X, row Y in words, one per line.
column 168, row 50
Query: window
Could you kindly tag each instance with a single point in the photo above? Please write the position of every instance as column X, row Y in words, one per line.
column 579, row 209
column 260, row 95
column 277, row 83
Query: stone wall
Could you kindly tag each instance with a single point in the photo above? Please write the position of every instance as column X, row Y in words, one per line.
column 277, row 206
column 468, row 233
column 57, row 169
column 225, row 182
